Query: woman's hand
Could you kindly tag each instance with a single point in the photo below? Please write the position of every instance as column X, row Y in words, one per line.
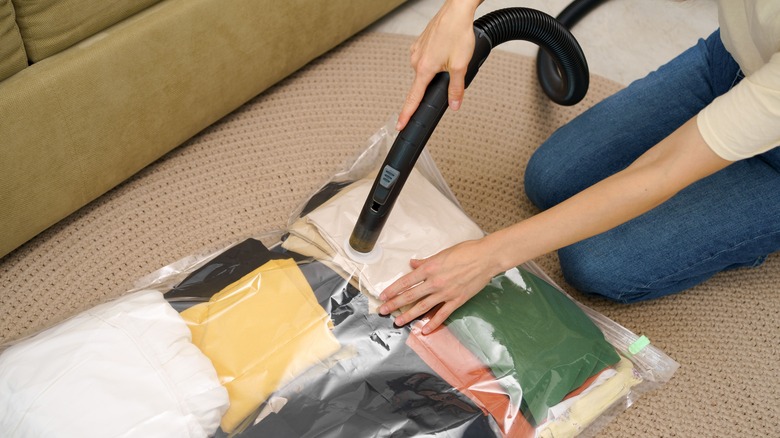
column 449, row 278
column 446, row 44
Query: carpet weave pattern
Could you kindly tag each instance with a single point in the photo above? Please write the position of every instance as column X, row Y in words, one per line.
column 244, row 175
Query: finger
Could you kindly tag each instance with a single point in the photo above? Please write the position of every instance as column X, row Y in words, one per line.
column 409, row 296
column 416, row 263
column 439, row 317
column 399, row 286
column 457, row 88
column 413, row 99
column 417, row 310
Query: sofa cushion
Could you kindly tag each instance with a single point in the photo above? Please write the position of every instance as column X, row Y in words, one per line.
column 50, row 26
column 81, row 122
column 12, row 56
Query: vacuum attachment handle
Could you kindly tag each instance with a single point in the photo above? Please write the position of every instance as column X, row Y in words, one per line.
column 489, row 31
column 406, row 149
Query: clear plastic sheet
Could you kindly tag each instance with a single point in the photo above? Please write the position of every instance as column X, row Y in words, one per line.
column 534, row 360
column 373, row 385
column 287, row 322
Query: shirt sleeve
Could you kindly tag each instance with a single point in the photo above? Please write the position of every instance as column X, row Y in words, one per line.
column 745, row 121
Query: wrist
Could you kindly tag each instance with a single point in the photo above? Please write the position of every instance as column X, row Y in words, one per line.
column 470, row 5
column 498, row 256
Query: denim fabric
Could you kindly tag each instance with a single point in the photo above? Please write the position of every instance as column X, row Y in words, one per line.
column 727, row 220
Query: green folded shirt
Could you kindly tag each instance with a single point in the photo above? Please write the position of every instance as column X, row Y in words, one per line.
column 538, row 343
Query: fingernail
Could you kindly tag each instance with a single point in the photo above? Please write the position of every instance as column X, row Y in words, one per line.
column 383, row 310
column 399, row 321
column 398, row 126
column 455, row 105
column 382, row 297
column 426, row 330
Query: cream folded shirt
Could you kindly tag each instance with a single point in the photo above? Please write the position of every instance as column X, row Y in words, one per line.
column 126, row 368
column 422, row 223
column 571, row 417
column 745, row 121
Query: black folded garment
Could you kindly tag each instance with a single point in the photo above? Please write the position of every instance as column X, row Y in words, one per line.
column 379, row 387
column 236, row 262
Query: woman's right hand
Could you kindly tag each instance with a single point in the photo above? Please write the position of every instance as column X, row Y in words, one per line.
column 446, row 44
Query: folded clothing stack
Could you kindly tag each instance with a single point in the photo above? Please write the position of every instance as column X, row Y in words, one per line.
column 532, row 345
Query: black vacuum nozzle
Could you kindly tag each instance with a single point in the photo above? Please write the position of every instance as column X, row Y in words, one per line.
column 489, row 31
column 405, row 150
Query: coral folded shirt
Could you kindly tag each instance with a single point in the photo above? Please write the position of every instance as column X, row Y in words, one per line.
column 444, row 353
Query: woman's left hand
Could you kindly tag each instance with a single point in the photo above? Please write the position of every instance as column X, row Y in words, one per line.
column 449, row 278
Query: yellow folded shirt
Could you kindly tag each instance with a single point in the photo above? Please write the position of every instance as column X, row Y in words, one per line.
column 261, row 332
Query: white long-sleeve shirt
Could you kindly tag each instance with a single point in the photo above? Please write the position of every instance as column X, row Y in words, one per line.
column 745, row 121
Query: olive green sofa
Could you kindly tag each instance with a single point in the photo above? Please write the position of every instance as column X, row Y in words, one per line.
column 91, row 91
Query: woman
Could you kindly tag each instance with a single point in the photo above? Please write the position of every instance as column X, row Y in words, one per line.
column 653, row 190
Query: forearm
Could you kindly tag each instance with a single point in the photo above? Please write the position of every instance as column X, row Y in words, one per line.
column 656, row 176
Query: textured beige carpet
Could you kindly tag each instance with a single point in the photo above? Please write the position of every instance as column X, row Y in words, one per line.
column 244, row 175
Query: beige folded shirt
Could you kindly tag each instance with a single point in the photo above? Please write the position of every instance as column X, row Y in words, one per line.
column 422, row 223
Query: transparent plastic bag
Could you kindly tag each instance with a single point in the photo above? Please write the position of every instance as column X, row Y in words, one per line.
column 288, row 323
column 547, row 377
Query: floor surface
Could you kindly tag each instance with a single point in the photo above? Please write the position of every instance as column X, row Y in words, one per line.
column 623, row 40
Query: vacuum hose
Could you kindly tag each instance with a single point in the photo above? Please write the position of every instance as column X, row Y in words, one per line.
column 565, row 85
column 568, row 88
column 546, row 69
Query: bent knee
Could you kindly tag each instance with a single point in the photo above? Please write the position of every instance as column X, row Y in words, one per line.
column 612, row 277
column 545, row 180
column 560, row 168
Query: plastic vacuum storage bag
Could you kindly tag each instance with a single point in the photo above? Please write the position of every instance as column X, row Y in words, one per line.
column 278, row 336
column 530, row 358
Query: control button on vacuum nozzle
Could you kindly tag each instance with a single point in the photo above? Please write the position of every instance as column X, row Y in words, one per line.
column 386, row 181
column 389, row 175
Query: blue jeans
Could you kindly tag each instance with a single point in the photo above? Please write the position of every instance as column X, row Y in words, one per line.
column 727, row 220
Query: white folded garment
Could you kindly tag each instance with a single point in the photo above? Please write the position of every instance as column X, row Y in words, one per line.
column 422, row 223
column 126, row 368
